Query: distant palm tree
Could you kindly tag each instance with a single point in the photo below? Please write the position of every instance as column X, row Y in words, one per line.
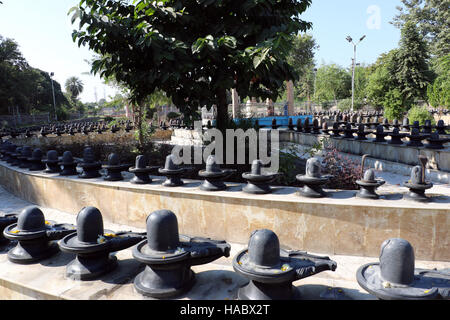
column 74, row 87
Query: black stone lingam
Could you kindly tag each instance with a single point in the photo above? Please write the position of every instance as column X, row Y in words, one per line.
column 415, row 138
column 306, row 126
column 168, row 256
column 214, row 175
column 417, row 183
column 51, row 162
column 14, row 161
column 426, row 127
column 298, row 126
column 89, row 165
column 315, row 126
column 114, row 128
column 440, row 127
column 172, row 172
column 274, row 124
column 380, row 135
column 396, row 137
column 368, row 183
column 6, row 220
column 25, row 154
column 348, row 131
column 257, row 181
column 395, row 124
column 114, row 168
column 336, row 130
column 10, row 150
column 290, row 124
column 435, row 142
column 35, row 161
column 395, row 277
column 142, row 171
column 93, row 245
column 325, row 128
column 361, row 132
column 272, row 270
column 405, row 124
column 313, row 180
column 35, row 236
column 68, row 165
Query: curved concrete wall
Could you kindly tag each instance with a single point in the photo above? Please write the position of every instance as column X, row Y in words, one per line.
column 340, row 224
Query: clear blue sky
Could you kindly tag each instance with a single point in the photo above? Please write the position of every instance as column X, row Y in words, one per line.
column 43, row 30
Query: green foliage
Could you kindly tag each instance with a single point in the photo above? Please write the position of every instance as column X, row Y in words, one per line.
column 393, row 105
column 74, row 86
column 420, row 114
column 172, row 115
column 432, row 21
column 412, row 71
column 438, row 92
column 192, row 50
column 346, row 104
column 22, row 87
column 332, row 83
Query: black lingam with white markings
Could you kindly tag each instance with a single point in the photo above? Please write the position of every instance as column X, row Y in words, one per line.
column 395, row 277
column 35, row 236
column 313, row 180
column 172, row 172
column 168, row 256
column 214, row 175
column 142, row 171
column 52, row 162
column 368, row 183
column 68, row 164
column 93, row 245
column 35, row 160
column 114, row 168
column 417, row 184
column 272, row 270
column 89, row 165
column 257, row 181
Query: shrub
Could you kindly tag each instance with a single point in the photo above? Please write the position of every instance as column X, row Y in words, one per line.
column 346, row 104
column 420, row 114
column 345, row 171
column 393, row 105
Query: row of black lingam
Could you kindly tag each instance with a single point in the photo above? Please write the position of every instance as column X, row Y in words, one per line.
column 168, row 257
column 258, row 181
column 68, row 128
column 360, row 131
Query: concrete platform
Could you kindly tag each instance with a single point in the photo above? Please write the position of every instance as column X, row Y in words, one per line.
column 215, row 281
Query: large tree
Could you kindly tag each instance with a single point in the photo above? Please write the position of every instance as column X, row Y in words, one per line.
column 74, row 87
column 412, row 69
column 24, row 89
column 439, row 91
column 301, row 58
column 193, row 50
column 332, row 83
column 432, row 20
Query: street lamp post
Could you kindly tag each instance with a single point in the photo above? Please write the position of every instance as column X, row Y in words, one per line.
column 315, row 78
column 53, row 92
column 349, row 39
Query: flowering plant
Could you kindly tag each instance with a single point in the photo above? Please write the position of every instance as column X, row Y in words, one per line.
column 344, row 170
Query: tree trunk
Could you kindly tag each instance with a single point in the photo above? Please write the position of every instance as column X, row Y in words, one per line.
column 222, row 110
